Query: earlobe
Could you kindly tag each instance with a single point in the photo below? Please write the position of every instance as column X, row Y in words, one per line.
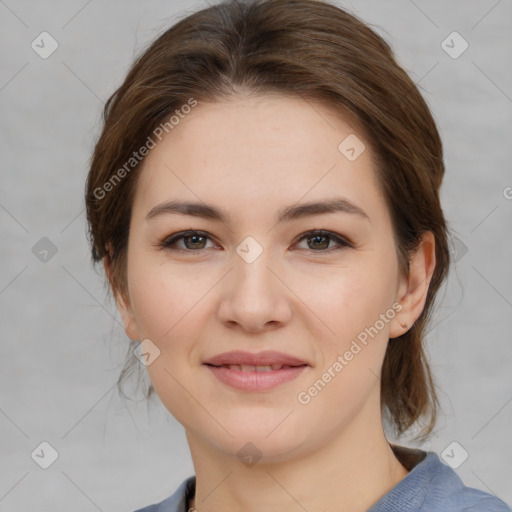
column 413, row 290
column 130, row 326
column 123, row 305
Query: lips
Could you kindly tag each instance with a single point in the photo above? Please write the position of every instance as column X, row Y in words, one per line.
column 262, row 361
column 259, row 372
column 252, row 368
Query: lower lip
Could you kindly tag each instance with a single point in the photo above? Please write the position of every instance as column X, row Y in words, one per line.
column 255, row 381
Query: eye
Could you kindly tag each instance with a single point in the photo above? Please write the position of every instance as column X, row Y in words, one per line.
column 320, row 240
column 192, row 241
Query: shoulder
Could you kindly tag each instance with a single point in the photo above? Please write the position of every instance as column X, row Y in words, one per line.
column 447, row 492
column 177, row 502
column 432, row 486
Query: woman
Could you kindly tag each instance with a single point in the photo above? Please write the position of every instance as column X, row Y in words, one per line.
column 264, row 196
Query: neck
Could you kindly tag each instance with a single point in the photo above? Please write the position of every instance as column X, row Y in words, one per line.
column 349, row 473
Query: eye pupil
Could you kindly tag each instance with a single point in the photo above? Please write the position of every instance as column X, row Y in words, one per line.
column 316, row 238
column 195, row 239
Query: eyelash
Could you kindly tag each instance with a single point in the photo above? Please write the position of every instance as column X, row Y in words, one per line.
column 170, row 242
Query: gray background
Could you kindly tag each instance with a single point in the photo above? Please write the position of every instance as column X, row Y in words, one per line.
column 61, row 342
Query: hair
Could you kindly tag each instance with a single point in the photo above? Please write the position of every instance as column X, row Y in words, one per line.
column 307, row 49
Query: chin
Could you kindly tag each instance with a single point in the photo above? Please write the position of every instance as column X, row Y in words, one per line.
column 265, row 444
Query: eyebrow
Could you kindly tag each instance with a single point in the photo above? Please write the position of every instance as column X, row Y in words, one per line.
column 287, row 214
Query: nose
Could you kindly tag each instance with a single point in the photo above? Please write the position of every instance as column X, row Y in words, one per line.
column 253, row 297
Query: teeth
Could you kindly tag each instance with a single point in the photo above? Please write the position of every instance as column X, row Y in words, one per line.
column 251, row 368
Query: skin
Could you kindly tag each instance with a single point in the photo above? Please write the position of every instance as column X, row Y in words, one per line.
column 252, row 156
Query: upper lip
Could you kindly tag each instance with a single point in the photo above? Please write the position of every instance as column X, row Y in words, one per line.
column 265, row 358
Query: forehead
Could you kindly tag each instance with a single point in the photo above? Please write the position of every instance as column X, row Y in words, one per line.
column 259, row 151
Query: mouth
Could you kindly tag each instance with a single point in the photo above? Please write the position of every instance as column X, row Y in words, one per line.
column 263, row 361
column 263, row 371
column 252, row 368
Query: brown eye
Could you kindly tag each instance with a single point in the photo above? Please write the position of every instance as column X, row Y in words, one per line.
column 321, row 241
column 192, row 241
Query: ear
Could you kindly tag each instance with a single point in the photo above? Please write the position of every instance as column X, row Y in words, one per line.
column 412, row 290
column 123, row 304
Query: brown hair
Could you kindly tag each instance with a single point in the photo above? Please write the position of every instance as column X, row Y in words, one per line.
column 310, row 49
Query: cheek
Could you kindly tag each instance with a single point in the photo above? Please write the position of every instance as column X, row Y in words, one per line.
column 165, row 297
column 170, row 307
column 346, row 300
column 350, row 304
column 352, row 338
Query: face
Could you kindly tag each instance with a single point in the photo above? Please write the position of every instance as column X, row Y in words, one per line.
column 319, row 284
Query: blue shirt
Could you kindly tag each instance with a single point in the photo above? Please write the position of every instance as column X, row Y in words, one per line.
column 430, row 486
